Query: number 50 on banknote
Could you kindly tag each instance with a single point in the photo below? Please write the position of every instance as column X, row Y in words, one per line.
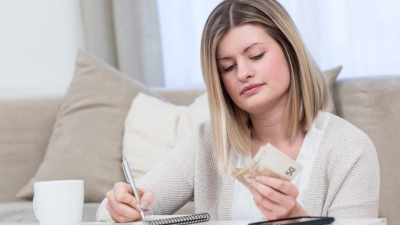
column 268, row 161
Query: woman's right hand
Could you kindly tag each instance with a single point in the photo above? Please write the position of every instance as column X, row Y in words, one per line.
column 122, row 204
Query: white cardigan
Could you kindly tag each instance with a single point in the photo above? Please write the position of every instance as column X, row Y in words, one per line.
column 344, row 182
column 243, row 205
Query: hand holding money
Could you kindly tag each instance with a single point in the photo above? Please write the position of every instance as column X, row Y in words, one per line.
column 268, row 177
column 270, row 162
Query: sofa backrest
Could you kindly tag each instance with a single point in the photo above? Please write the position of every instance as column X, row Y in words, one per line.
column 25, row 129
column 180, row 96
column 372, row 104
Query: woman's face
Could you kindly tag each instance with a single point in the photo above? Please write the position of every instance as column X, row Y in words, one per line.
column 254, row 69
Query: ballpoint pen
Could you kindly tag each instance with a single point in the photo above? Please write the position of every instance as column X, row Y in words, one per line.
column 129, row 179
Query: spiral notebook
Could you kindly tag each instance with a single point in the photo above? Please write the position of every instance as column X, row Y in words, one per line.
column 177, row 220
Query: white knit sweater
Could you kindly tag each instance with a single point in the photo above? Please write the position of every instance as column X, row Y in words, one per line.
column 344, row 182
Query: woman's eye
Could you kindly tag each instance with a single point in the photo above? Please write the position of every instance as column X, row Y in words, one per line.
column 257, row 57
column 228, row 69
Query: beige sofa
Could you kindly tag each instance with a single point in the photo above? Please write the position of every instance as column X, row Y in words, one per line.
column 27, row 125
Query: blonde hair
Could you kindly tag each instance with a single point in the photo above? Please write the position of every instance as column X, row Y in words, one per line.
column 308, row 90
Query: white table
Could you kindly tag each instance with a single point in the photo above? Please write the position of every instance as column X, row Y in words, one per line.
column 338, row 222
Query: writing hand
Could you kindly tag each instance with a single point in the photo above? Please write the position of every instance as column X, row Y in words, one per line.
column 123, row 206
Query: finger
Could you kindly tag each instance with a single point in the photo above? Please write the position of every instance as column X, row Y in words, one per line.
column 123, row 186
column 269, row 193
column 123, row 194
column 111, row 210
column 283, row 186
column 122, row 213
column 127, row 211
column 268, row 208
column 267, row 203
column 146, row 199
column 269, row 215
column 286, row 202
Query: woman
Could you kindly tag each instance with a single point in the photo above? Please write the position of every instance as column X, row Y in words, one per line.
column 263, row 87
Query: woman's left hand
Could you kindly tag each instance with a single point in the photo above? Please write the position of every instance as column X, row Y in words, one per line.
column 276, row 198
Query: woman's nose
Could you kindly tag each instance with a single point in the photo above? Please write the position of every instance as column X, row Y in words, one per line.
column 245, row 71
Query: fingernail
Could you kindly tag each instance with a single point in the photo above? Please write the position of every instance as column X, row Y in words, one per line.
column 248, row 180
column 258, row 178
column 144, row 205
column 137, row 207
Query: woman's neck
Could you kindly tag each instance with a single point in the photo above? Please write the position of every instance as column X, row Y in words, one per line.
column 272, row 129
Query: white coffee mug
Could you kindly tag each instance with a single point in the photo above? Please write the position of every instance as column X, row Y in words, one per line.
column 58, row 202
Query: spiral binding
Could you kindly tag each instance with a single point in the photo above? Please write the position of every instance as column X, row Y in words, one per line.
column 190, row 219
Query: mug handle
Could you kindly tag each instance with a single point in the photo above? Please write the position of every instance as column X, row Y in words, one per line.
column 35, row 210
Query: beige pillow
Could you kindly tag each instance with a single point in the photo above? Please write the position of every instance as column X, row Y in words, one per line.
column 86, row 142
column 154, row 127
column 330, row 76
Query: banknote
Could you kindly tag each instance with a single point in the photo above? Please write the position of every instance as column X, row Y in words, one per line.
column 271, row 162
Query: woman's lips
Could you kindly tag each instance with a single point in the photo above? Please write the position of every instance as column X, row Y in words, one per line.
column 251, row 89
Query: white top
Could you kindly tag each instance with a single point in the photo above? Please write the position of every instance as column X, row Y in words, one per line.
column 243, row 206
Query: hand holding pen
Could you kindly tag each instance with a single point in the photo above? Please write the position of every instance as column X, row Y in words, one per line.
column 123, row 205
column 131, row 182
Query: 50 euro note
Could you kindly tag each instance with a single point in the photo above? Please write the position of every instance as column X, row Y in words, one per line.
column 271, row 162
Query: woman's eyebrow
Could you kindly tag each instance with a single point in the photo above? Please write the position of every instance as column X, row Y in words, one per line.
column 256, row 43
column 244, row 51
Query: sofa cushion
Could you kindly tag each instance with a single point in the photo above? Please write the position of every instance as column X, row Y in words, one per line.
column 372, row 104
column 26, row 126
column 153, row 127
column 86, row 142
column 179, row 96
column 330, row 76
